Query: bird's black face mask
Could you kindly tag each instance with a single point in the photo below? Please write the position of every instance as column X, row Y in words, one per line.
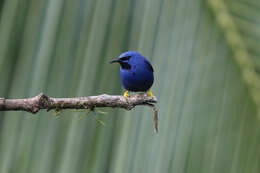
column 123, row 62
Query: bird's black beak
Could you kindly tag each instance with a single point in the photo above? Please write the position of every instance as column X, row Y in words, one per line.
column 114, row 60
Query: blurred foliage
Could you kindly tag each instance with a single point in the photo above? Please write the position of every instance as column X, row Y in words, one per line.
column 242, row 45
column 207, row 119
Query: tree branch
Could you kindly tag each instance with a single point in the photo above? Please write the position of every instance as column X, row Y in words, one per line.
column 42, row 101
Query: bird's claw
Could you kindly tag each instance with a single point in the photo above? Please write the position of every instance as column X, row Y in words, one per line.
column 150, row 93
column 126, row 94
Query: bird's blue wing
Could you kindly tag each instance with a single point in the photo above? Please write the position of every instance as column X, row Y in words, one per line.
column 149, row 65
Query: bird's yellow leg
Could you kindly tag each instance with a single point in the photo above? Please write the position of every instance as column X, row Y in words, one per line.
column 150, row 94
column 126, row 94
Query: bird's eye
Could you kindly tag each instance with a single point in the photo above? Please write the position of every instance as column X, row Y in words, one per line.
column 125, row 58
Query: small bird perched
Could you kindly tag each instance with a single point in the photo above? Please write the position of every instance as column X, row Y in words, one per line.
column 136, row 72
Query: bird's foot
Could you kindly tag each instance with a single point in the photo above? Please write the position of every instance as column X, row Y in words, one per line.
column 150, row 93
column 126, row 94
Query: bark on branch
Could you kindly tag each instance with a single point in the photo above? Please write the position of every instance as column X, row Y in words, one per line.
column 42, row 101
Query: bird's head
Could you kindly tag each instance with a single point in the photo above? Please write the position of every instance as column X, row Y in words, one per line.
column 125, row 59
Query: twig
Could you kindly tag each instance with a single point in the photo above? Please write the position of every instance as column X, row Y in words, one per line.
column 155, row 117
column 42, row 101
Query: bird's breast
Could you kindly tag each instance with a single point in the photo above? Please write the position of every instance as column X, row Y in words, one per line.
column 136, row 78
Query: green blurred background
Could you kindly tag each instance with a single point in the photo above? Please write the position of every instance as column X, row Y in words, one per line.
column 207, row 118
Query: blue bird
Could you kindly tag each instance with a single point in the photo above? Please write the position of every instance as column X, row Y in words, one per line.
column 136, row 73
